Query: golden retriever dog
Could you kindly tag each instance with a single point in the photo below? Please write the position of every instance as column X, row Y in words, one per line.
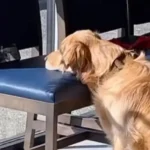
column 120, row 84
column 53, row 61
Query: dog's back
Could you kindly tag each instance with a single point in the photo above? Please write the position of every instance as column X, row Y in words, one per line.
column 126, row 99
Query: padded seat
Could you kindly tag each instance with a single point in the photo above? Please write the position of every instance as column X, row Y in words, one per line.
column 40, row 84
column 29, row 79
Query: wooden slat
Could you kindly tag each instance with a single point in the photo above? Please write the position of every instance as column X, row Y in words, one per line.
column 98, row 137
column 68, row 119
column 16, row 142
column 64, row 130
column 90, row 123
column 39, row 125
column 65, row 141
column 23, row 104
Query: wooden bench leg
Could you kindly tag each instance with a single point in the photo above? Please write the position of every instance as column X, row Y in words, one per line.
column 29, row 133
column 51, row 129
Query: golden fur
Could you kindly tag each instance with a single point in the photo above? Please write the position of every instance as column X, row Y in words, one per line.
column 120, row 85
column 53, row 61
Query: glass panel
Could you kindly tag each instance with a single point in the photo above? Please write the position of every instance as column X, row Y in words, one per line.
column 142, row 28
column 12, row 122
column 109, row 35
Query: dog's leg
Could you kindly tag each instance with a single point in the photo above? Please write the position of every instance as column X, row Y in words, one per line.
column 106, row 126
column 118, row 143
column 104, row 121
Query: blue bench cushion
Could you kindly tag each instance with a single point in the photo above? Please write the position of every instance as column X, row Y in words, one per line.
column 38, row 83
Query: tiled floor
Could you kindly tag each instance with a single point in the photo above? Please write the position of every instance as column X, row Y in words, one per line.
column 88, row 145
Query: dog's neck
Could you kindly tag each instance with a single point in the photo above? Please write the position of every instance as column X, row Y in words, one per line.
column 118, row 65
column 93, row 81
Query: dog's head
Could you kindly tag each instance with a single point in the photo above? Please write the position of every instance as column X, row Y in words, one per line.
column 76, row 50
column 88, row 55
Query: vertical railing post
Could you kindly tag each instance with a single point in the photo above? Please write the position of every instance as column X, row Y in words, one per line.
column 50, row 26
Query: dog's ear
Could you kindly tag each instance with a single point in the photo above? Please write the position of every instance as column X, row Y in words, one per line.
column 76, row 55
